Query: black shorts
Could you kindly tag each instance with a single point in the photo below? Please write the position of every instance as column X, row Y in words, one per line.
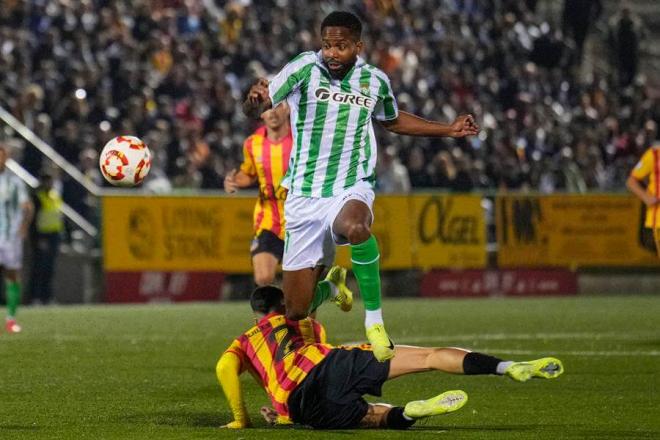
column 650, row 239
column 330, row 397
column 267, row 241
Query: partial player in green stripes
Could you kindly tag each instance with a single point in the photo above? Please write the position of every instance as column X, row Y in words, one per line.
column 334, row 95
column 16, row 212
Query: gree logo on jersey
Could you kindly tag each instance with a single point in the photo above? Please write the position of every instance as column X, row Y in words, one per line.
column 323, row 94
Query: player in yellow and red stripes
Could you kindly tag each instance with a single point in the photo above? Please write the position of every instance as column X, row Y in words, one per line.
column 648, row 169
column 266, row 156
column 313, row 383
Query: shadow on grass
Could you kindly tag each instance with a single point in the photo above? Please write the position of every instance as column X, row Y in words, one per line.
column 545, row 429
column 503, row 428
column 19, row 428
column 215, row 419
column 655, row 343
column 609, row 433
column 199, row 419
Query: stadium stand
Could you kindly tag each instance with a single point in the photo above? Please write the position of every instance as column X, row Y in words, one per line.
column 174, row 73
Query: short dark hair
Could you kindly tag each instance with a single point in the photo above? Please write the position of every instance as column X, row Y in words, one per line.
column 266, row 299
column 344, row 19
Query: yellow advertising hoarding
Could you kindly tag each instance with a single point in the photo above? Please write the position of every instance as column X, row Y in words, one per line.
column 177, row 233
column 448, row 231
column 427, row 231
column 214, row 233
column 392, row 228
column 570, row 231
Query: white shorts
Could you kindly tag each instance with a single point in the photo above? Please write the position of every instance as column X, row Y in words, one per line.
column 11, row 254
column 309, row 240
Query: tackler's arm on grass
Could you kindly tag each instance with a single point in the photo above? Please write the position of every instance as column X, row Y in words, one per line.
column 228, row 371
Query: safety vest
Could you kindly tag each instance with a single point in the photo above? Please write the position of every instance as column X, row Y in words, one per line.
column 49, row 217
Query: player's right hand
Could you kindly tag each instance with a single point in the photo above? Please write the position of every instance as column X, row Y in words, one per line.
column 464, row 125
column 230, row 182
column 259, row 91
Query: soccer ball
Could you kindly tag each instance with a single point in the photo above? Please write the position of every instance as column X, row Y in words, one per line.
column 125, row 161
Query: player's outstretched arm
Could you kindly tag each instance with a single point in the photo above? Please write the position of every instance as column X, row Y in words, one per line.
column 407, row 123
column 228, row 371
column 257, row 100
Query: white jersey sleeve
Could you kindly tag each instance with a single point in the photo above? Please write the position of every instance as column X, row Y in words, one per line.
column 386, row 107
column 289, row 79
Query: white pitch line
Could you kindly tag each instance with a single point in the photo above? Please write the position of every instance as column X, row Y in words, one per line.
column 531, row 336
column 475, row 338
column 449, row 339
column 601, row 353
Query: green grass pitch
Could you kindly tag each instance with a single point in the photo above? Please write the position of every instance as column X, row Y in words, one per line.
column 131, row 372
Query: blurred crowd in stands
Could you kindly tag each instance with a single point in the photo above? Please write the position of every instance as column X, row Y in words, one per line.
column 174, row 72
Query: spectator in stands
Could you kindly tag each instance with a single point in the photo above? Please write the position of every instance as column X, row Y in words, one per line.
column 391, row 174
column 417, row 169
column 624, row 37
column 572, row 180
column 452, row 171
column 444, row 171
column 32, row 159
column 108, row 68
column 578, row 18
column 544, row 175
column 28, row 105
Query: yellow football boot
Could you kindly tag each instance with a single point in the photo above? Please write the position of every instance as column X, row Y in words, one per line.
column 344, row 299
column 447, row 402
column 381, row 344
column 544, row 368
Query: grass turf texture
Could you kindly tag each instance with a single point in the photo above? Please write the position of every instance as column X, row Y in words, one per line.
column 148, row 371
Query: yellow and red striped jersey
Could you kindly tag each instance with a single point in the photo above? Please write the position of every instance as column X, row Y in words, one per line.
column 649, row 166
column 268, row 161
column 280, row 353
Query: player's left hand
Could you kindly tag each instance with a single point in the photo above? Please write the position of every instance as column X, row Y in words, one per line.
column 236, row 425
column 464, row 125
column 269, row 415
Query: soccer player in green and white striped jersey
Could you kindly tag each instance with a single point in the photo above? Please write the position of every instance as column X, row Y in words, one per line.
column 16, row 212
column 334, row 95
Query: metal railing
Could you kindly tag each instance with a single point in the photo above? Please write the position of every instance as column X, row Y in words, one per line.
column 48, row 151
column 58, row 160
column 68, row 211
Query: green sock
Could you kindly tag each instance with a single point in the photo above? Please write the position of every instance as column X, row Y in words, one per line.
column 322, row 293
column 13, row 292
column 365, row 257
